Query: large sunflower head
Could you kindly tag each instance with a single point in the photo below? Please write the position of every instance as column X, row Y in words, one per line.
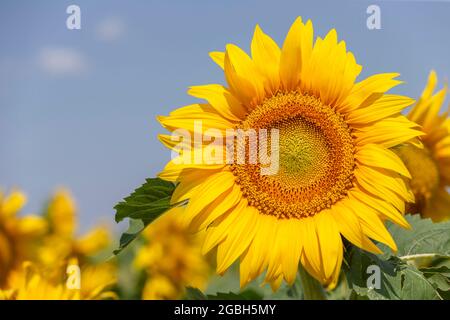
column 429, row 164
column 335, row 173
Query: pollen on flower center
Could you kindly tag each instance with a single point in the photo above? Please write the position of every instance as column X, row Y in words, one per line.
column 316, row 157
column 301, row 147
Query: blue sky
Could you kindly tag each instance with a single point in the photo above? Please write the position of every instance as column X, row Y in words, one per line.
column 78, row 107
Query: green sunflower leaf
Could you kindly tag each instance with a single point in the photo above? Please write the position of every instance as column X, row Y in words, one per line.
column 146, row 202
column 416, row 286
column 364, row 267
column 372, row 277
column 196, row 294
column 425, row 240
column 439, row 277
column 142, row 207
column 134, row 229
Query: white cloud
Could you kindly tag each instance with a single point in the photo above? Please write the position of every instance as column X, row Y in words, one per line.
column 110, row 29
column 61, row 61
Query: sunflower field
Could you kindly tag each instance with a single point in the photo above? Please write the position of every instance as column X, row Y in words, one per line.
column 295, row 179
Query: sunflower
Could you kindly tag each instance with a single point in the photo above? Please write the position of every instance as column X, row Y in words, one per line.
column 32, row 283
column 19, row 236
column 429, row 164
column 97, row 280
column 336, row 175
column 61, row 243
column 35, row 253
column 171, row 258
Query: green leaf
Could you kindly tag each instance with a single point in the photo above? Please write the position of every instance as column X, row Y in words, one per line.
column 311, row 288
column 196, row 294
column 439, row 277
column 416, row 286
column 146, row 202
column 341, row 292
column 425, row 239
column 244, row 295
column 142, row 207
column 401, row 275
column 296, row 290
column 357, row 276
column 134, row 229
column 398, row 280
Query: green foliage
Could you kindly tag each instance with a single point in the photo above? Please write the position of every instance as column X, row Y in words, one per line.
column 424, row 238
column 399, row 280
column 420, row 269
column 408, row 274
column 196, row 294
column 439, row 277
column 142, row 207
column 146, row 202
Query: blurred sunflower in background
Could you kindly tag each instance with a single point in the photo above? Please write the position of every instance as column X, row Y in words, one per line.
column 429, row 165
column 32, row 283
column 61, row 242
column 28, row 283
column 337, row 175
column 19, row 236
column 36, row 253
column 171, row 258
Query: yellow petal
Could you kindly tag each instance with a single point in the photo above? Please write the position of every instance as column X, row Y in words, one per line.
column 13, row 203
column 376, row 156
column 420, row 109
column 255, row 260
column 331, row 71
column 382, row 207
column 386, row 181
column 385, row 106
column 221, row 100
column 388, row 132
column 213, row 187
column 175, row 169
column 218, row 57
column 189, row 183
column 266, row 55
column 296, row 50
column 330, row 243
column 217, row 208
column 311, row 248
column 32, row 225
column 290, row 246
column 431, row 118
column 218, row 230
column 243, row 78
column 350, row 227
column 94, row 241
column 372, row 225
column 238, row 238
column 376, row 84
column 196, row 122
column 369, row 185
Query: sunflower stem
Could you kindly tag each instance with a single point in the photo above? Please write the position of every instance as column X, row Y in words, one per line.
column 312, row 289
column 418, row 256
